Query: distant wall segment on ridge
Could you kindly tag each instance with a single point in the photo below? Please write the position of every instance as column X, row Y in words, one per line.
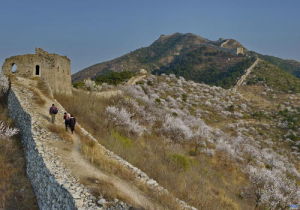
column 52, row 68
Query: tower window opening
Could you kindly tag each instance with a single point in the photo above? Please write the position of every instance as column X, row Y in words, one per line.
column 14, row 68
column 37, row 70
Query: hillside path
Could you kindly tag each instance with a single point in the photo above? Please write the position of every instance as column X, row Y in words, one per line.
column 248, row 71
column 86, row 171
column 134, row 80
column 91, row 176
column 224, row 43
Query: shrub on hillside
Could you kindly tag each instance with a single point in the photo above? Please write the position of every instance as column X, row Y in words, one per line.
column 180, row 161
column 122, row 118
column 273, row 188
column 176, row 129
column 114, row 78
column 93, row 86
column 201, row 135
column 78, row 84
column 6, row 131
column 4, row 84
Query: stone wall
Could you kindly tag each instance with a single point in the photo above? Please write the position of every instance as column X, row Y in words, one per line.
column 50, row 194
column 52, row 68
column 53, row 184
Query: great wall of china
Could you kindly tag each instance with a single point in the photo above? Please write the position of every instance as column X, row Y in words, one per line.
column 54, row 184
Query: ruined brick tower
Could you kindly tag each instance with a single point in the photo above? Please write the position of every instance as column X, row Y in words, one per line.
column 54, row 69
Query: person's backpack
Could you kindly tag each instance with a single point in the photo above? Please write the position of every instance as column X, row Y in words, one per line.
column 54, row 110
column 72, row 121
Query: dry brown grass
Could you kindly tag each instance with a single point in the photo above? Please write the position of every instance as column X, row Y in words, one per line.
column 107, row 190
column 39, row 101
column 196, row 185
column 253, row 93
column 95, row 154
column 44, row 88
column 37, row 95
column 61, row 132
column 15, row 189
column 166, row 200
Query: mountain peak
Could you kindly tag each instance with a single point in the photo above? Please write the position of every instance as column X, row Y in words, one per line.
column 183, row 37
column 167, row 49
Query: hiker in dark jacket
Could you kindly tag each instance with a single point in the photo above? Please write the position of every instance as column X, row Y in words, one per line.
column 53, row 111
column 67, row 120
column 72, row 123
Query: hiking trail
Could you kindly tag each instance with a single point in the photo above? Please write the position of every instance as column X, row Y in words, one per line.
column 88, row 174
column 84, row 170
column 247, row 72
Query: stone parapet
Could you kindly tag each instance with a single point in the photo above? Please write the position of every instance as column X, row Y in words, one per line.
column 54, row 186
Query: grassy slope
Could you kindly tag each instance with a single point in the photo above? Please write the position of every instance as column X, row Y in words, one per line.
column 290, row 66
column 274, row 77
column 284, row 86
column 217, row 175
column 207, row 183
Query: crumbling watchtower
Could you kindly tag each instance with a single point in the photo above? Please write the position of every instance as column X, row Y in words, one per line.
column 54, row 69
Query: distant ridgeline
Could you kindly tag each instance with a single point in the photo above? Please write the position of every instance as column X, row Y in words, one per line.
column 219, row 63
column 208, row 68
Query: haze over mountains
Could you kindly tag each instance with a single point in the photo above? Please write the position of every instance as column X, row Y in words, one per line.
column 191, row 56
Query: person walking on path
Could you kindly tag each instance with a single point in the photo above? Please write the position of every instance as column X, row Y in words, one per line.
column 72, row 123
column 53, row 111
column 67, row 120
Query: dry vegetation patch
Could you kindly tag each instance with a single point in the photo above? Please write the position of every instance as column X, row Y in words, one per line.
column 61, row 132
column 94, row 153
column 44, row 88
column 188, row 178
column 106, row 189
column 37, row 96
column 15, row 189
column 244, row 142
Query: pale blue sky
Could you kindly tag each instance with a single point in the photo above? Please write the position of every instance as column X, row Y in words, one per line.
column 92, row 31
